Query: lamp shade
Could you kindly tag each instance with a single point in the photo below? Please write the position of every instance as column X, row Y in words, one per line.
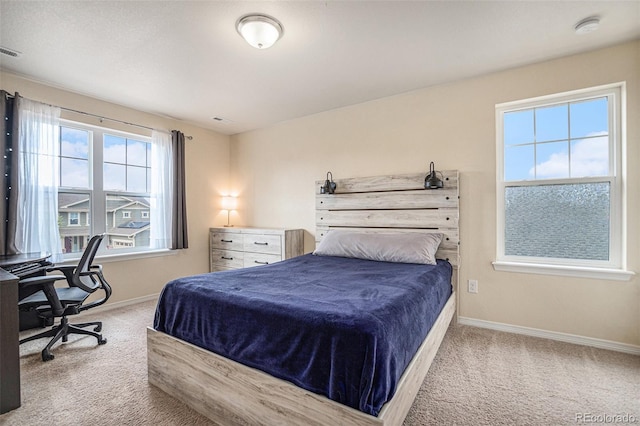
column 229, row 203
column 260, row 31
column 432, row 181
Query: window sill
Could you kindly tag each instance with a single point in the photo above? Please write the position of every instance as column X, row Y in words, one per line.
column 563, row 270
column 107, row 258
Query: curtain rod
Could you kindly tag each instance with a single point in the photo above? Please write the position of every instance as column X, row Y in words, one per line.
column 101, row 117
column 112, row 119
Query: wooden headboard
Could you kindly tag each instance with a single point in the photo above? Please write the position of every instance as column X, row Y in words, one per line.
column 397, row 203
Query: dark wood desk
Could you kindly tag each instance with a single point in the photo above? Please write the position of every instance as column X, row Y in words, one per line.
column 9, row 343
column 26, row 265
column 21, row 264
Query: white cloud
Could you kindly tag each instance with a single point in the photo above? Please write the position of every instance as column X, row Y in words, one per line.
column 133, row 153
column 115, row 153
column 74, row 149
column 589, row 157
column 75, row 174
column 136, row 154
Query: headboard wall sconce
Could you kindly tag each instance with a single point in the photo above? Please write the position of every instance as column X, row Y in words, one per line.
column 329, row 186
column 432, row 181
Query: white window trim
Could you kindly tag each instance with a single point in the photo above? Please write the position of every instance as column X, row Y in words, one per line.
column 615, row 268
column 563, row 270
column 126, row 214
column 97, row 196
column 102, row 257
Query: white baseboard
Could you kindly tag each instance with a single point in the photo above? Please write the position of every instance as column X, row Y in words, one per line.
column 552, row 335
column 123, row 303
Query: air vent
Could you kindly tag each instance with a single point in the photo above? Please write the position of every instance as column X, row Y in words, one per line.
column 221, row 120
column 9, row 52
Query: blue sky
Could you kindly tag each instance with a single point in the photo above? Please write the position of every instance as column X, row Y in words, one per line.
column 74, row 166
column 559, row 141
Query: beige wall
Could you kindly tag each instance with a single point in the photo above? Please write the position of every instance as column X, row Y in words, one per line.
column 207, row 164
column 274, row 171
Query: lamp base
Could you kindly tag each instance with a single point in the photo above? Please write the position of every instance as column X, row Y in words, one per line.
column 228, row 226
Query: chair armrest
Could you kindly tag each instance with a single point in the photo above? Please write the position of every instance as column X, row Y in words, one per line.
column 95, row 273
column 61, row 268
column 66, row 270
column 47, row 285
column 40, row 281
column 104, row 285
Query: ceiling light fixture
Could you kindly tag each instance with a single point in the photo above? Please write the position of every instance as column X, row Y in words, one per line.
column 260, row 31
column 587, row 25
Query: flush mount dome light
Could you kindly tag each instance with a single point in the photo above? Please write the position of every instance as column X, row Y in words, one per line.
column 587, row 25
column 260, row 31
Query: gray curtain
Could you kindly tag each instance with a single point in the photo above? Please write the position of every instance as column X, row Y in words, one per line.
column 8, row 172
column 180, row 238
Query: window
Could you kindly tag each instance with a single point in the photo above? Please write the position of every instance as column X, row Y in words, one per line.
column 559, row 181
column 105, row 178
column 74, row 218
column 127, row 164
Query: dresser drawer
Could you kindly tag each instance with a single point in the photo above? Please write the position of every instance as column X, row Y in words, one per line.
column 269, row 244
column 226, row 241
column 257, row 259
column 227, row 258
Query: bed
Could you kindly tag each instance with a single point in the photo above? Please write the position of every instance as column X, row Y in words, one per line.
column 185, row 358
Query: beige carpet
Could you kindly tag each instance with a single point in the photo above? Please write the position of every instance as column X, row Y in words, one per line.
column 479, row 377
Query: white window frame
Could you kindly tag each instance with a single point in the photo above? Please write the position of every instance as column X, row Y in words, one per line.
column 145, row 214
column 96, row 218
column 615, row 267
column 126, row 214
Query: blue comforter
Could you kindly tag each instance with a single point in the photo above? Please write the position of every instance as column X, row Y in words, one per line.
column 343, row 328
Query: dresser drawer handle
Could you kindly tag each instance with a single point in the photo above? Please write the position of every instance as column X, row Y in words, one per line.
column 227, row 258
column 227, row 241
column 261, row 244
column 261, row 263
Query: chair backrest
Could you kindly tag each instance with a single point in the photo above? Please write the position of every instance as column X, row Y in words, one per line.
column 87, row 282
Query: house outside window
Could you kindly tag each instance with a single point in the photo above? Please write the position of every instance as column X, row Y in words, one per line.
column 559, row 183
column 101, row 172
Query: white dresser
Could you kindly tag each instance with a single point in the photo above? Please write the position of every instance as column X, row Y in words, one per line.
column 235, row 247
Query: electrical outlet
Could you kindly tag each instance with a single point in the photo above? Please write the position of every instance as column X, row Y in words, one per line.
column 473, row 286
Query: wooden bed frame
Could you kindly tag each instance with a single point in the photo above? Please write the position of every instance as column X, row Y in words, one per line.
column 230, row 393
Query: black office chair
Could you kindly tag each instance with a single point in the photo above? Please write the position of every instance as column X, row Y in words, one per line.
column 51, row 302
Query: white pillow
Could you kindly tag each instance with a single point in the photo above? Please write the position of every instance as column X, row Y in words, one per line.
column 402, row 247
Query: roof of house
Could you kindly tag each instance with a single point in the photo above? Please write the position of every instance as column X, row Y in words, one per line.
column 129, row 228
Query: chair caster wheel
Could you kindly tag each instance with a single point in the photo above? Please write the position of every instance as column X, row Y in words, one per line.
column 102, row 341
column 98, row 328
column 47, row 356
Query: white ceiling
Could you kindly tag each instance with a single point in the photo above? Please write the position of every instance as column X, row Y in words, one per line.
column 184, row 59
